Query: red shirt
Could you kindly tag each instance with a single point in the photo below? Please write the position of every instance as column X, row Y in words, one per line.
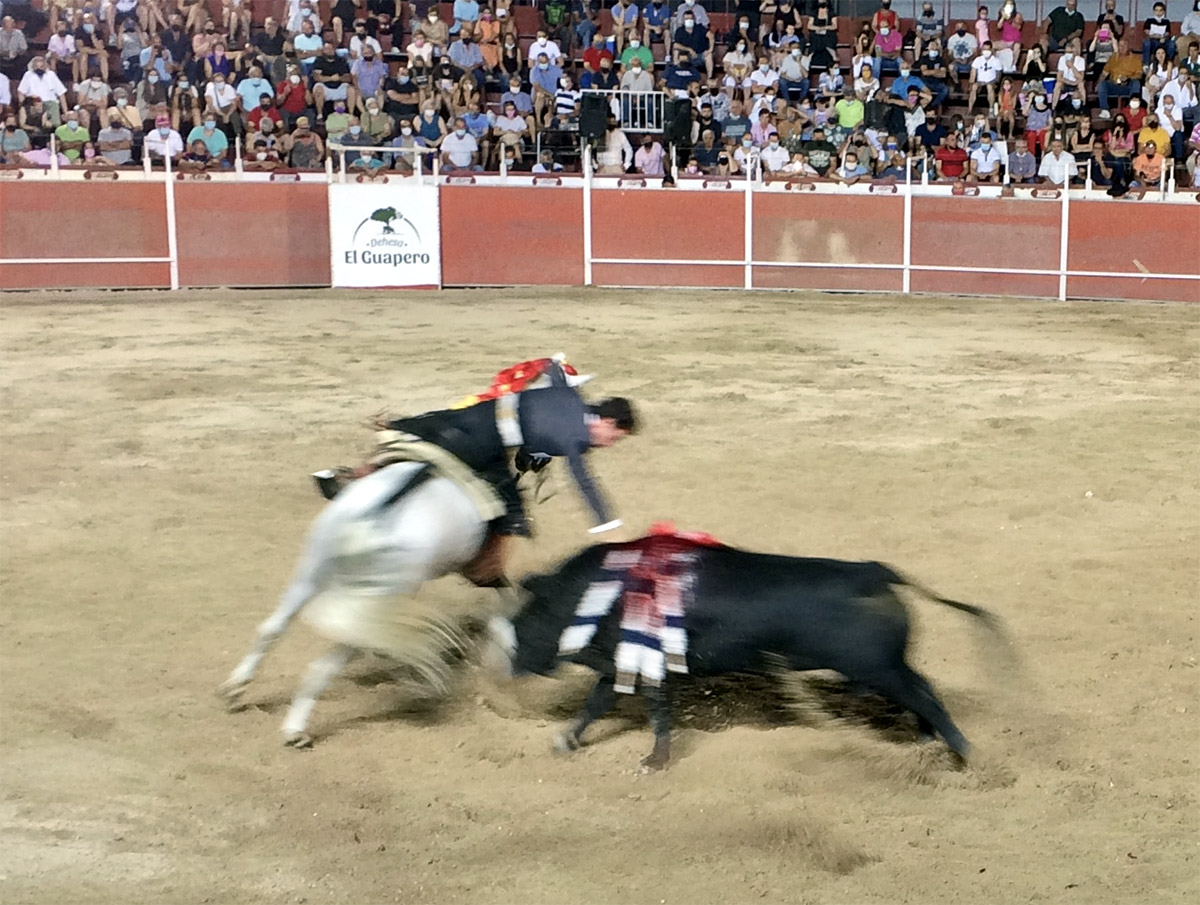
column 1135, row 118
column 291, row 95
column 954, row 160
column 592, row 57
column 255, row 116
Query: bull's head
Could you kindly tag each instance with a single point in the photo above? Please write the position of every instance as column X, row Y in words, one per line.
column 528, row 644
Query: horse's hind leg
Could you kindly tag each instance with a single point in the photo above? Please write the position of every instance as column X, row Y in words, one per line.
column 320, row 673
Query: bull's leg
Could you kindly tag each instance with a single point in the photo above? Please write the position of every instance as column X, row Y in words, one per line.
column 659, row 700
column 911, row 690
column 320, row 673
column 600, row 701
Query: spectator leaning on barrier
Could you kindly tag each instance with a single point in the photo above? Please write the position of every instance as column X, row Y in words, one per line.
column 1058, row 166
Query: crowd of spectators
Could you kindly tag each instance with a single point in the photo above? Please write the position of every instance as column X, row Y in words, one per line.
column 785, row 85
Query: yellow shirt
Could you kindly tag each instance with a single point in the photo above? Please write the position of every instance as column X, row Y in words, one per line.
column 1159, row 136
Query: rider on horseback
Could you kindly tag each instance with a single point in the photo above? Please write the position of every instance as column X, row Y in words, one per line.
column 538, row 424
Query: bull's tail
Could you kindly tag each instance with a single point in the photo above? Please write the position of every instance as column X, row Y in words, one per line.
column 993, row 622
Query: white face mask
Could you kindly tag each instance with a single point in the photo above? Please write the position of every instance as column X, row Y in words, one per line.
column 635, row 43
column 885, row 31
column 261, row 155
column 689, row 24
column 543, row 66
column 407, row 130
column 294, row 79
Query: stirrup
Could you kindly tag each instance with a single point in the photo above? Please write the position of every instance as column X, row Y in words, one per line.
column 330, row 481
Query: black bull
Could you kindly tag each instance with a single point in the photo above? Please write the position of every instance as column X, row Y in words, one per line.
column 749, row 613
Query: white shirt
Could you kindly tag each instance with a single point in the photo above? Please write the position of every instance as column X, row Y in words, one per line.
column 61, row 47
column 460, row 149
column 775, row 158
column 549, row 48
column 220, row 96
column 5, row 91
column 356, row 46
column 1058, row 170
column 986, row 159
column 1185, row 95
column 764, row 79
column 157, row 146
column 618, row 152
column 1071, row 68
column 45, row 88
column 987, row 69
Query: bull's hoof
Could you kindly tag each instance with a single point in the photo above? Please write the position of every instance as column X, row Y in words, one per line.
column 299, row 740
column 958, row 760
column 230, row 692
column 566, row 742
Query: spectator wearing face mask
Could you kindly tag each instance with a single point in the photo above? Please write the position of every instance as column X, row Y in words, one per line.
column 197, row 158
column 404, row 159
column 93, row 49
column 209, row 133
column 695, row 37
column 887, row 47
column 636, row 50
column 163, row 141
column 303, row 148
column 1072, row 69
column 1152, row 132
column 292, row 96
column 985, row 73
column 38, row 82
column 368, row 74
column 115, row 143
column 71, row 136
column 62, row 57
column 221, row 103
column 542, row 46
column 656, row 19
column 963, row 47
column 465, row 54
column 375, row 122
column 152, row 96
column 92, row 99
column 544, row 78
column 774, row 156
column 460, row 150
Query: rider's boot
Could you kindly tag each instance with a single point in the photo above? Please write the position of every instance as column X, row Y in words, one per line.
column 331, row 481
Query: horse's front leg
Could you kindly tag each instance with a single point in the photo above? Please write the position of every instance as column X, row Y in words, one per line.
column 659, row 700
column 320, row 673
column 600, row 701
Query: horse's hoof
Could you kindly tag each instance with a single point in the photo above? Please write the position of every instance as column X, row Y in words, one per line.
column 231, row 693
column 300, row 740
column 565, row 743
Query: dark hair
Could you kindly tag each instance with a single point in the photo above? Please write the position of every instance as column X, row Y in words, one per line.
column 620, row 410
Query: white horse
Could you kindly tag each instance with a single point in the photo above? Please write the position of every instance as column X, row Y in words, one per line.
column 372, row 542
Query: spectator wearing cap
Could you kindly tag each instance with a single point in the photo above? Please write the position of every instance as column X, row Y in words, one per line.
column 304, row 147
column 115, row 143
column 375, row 122
column 163, row 141
column 546, row 163
column 331, row 81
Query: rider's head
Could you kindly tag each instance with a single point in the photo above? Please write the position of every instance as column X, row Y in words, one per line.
column 613, row 419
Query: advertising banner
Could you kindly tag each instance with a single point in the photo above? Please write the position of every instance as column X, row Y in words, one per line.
column 383, row 236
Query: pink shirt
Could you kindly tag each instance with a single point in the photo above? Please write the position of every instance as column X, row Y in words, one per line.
column 650, row 161
column 982, row 32
column 891, row 42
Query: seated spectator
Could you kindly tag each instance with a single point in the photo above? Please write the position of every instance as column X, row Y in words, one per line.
column 763, row 128
column 13, row 46
column 763, row 77
column 887, row 48
column 1064, row 24
column 986, row 160
column 436, row 31
column 115, row 143
column 268, row 134
column 512, row 129
column 637, row 77
column 1101, row 167
column 930, row 29
column 934, row 74
column 331, row 81
column 985, row 73
column 198, row 157
column 774, row 156
column 263, row 109
column 799, row 166
column 820, row 152
column 465, row 54
column 487, row 33
column 93, row 50
column 62, row 56
column 963, row 47
column 704, row 151
column 362, row 42
column 130, row 44
column 375, row 122
column 163, row 141
column 1058, row 167
column 546, row 163
column 405, row 159
column 214, row 139
column 271, row 42
column 13, row 140
column 850, row 110
column 1193, row 147
column 459, row 150
column 851, row 170
column 292, row 97
column 950, row 160
column 656, row 27
column 71, row 136
column 1157, row 33
column 479, row 124
column 93, row 98
column 353, row 137
column 1022, row 165
column 544, row 81
column 430, row 126
column 221, row 103
column 1152, row 132
column 258, row 156
column 369, row 72
column 421, row 49
column 866, row 84
column 694, row 37
column 368, row 162
column 303, row 147
column 308, row 45
column 1148, row 166
column 637, row 51
column 45, row 87
column 830, row 84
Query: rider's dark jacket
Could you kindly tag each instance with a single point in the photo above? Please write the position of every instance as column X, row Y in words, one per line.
column 552, row 421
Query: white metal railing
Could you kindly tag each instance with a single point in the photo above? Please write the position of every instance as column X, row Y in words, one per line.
column 637, row 111
column 390, row 152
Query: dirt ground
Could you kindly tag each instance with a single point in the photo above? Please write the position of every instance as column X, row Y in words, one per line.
column 1040, row 459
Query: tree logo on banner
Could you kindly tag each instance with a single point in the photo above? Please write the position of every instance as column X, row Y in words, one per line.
column 382, row 244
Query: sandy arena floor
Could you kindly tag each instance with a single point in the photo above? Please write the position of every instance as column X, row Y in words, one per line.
column 1040, row 459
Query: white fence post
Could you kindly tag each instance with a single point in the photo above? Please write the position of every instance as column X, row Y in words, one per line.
column 1064, row 239
column 906, row 286
column 172, row 235
column 587, row 215
column 748, row 276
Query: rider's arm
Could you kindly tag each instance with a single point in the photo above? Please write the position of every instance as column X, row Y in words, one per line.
column 591, row 494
